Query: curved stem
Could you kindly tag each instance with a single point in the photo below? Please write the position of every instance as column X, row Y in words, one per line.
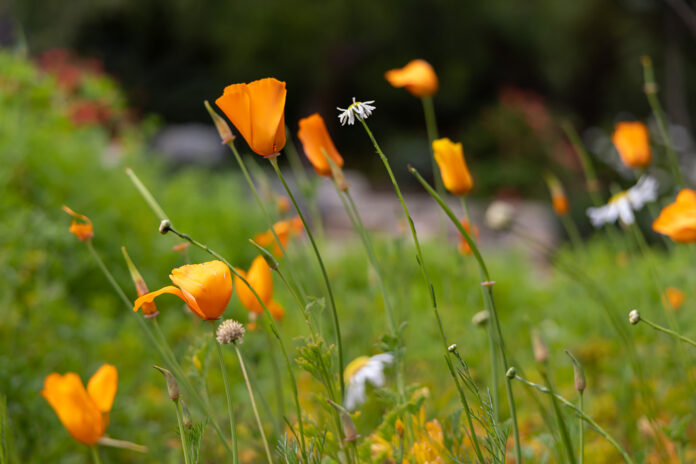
column 669, row 332
column 253, row 404
column 332, row 302
column 228, row 395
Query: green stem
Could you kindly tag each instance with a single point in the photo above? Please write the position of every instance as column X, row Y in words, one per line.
column 495, row 367
column 276, row 376
column 669, row 332
column 582, row 429
column 253, row 404
column 572, row 231
column 419, row 253
column 582, row 415
column 565, row 436
column 182, row 433
column 145, row 193
column 650, row 90
column 332, row 302
column 95, row 454
column 431, row 128
column 228, row 394
column 488, row 301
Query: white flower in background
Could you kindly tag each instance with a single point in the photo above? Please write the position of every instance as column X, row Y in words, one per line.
column 623, row 204
column 360, row 109
column 361, row 370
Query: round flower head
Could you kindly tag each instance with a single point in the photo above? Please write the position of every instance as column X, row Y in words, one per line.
column 632, row 141
column 450, row 159
column 678, row 220
column 261, row 280
column 84, row 413
column 622, row 205
column 230, row 331
column 206, row 288
column 257, row 110
column 318, row 145
column 418, row 77
column 361, row 370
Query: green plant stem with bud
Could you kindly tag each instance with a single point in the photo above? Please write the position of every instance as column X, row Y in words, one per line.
column 253, row 403
column 495, row 366
column 488, row 301
column 145, row 193
column 669, row 332
column 582, row 415
column 182, row 432
column 327, row 282
column 650, row 89
column 228, row 393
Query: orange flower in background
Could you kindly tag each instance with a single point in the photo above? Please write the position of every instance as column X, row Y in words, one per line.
column 678, row 220
column 464, row 247
column 149, row 308
column 450, row 158
column 261, row 280
column 84, row 413
column 559, row 200
column 206, row 288
column 257, row 110
column 317, row 144
column 673, row 298
column 276, row 310
column 632, row 141
column 418, row 77
column 282, row 204
column 284, row 230
column 82, row 230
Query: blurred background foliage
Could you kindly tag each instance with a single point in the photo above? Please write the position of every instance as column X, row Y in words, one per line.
column 567, row 58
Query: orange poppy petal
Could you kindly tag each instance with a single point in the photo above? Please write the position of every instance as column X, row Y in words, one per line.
column 102, row 387
column 236, row 104
column 268, row 115
column 317, row 144
column 149, row 297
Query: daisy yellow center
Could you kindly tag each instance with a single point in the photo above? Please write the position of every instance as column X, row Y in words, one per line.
column 617, row 197
column 354, row 366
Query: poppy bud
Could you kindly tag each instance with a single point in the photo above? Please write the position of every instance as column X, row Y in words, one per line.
column 220, row 124
column 172, row 385
column 541, row 351
column 578, row 373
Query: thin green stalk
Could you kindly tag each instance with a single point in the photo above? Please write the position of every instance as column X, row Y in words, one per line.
column 582, row 428
column 228, row 395
column 495, row 381
column 467, row 411
column 565, row 436
column 582, row 415
column 161, row 346
column 419, row 253
column 488, row 300
column 276, row 376
column 332, row 302
column 253, row 404
column 650, row 89
column 669, row 332
column 572, row 231
column 262, row 207
column 182, row 433
column 145, row 193
column 431, row 128
column 95, row 454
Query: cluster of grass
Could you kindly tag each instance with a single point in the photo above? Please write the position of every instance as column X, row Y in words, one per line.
column 60, row 314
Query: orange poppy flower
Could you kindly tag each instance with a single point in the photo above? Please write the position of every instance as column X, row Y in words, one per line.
column 673, row 298
column 257, row 110
column 84, row 413
column 418, row 77
column 632, row 141
column 559, row 201
column 261, row 280
column 464, row 247
column 678, row 220
column 450, row 158
column 206, row 288
column 82, row 230
column 282, row 204
column 276, row 310
column 284, row 230
column 318, row 145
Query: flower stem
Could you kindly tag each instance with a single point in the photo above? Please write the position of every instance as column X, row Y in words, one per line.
column 182, row 433
column 95, row 454
column 650, row 89
column 228, row 394
column 572, row 231
column 332, row 302
column 488, row 301
column 669, row 332
column 419, row 254
column 145, row 193
column 582, row 415
column 559, row 417
column 253, row 404
column 581, row 426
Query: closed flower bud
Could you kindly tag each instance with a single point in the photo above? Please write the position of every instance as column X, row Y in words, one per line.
column 399, row 427
column 559, row 200
column 165, row 226
column 450, row 159
column 452, row 348
column 188, row 421
column 541, row 352
column 220, row 124
column 511, row 373
column 172, row 384
column 578, row 373
column 634, row 317
column 349, row 430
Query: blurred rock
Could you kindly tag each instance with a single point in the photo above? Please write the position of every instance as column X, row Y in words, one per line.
column 190, row 143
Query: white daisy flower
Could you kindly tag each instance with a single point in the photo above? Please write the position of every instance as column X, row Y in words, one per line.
column 623, row 204
column 360, row 109
column 361, row 370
